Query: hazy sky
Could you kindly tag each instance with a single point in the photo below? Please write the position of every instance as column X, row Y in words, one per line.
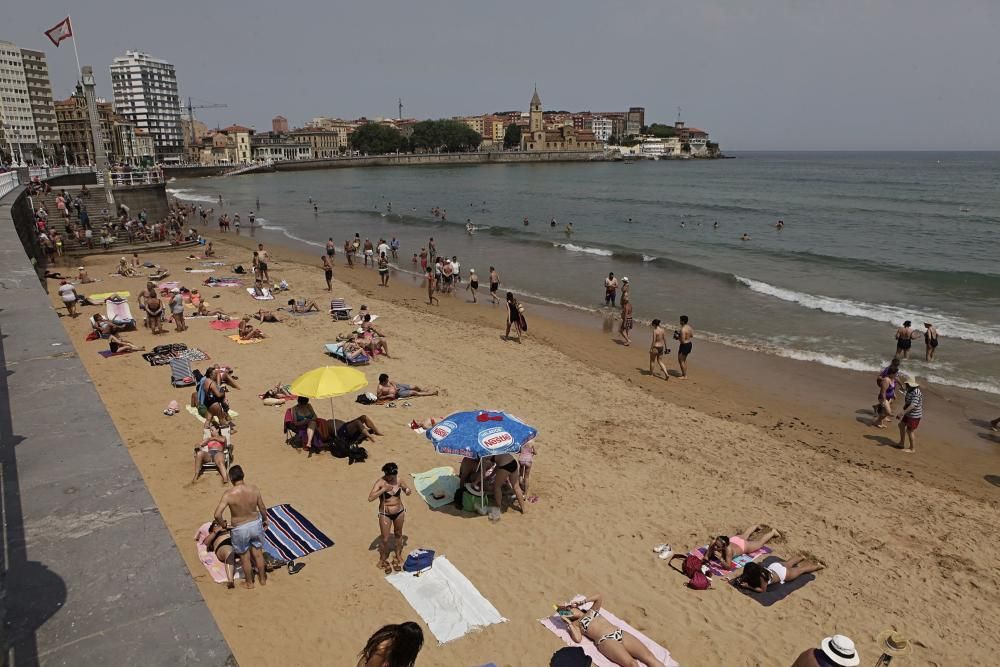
column 757, row 74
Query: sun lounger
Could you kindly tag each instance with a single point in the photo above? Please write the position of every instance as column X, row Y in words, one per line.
column 337, row 350
column 180, row 372
column 227, row 451
column 119, row 312
column 339, row 309
column 102, row 296
column 267, row 294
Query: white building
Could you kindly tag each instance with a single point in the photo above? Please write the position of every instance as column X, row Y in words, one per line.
column 17, row 124
column 145, row 90
column 656, row 148
column 603, row 128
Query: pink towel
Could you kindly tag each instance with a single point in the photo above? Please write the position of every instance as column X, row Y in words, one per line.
column 224, row 325
column 557, row 626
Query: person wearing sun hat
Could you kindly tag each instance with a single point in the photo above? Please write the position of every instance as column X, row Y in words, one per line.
column 834, row 651
column 913, row 412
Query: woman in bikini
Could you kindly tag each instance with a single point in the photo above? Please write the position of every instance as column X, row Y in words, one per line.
column 757, row 578
column 507, row 471
column 247, row 330
column 389, row 490
column 213, row 450
column 219, row 542
column 618, row 646
column 725, row 549
column 515, row 317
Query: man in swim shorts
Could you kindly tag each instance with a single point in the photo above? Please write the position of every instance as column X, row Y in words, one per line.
column 393, row 390
column 494, row 284
column 249, row 521
column 684, row 337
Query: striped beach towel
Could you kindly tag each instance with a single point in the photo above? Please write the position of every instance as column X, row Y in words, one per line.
column 290, row 535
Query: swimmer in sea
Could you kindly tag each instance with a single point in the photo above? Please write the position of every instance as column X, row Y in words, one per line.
column 469, row 227
column 779, row 225
column 745, row 237
column 716, row 225
column 525, row 222
column 569, row 228
column 552, row 222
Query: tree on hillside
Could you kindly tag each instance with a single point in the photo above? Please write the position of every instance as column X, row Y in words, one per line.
column 444, row 135
column 660, row 130
column 512, row 136
column 376, row 139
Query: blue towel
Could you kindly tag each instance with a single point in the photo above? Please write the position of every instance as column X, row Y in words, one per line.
column 290, row 535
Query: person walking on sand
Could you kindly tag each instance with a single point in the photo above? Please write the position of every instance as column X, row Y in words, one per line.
column 515, row 317
column 69, row 297
column 383, row 269
column 930, row 341
column 431, row 287
column 248, row 514
column 349, row 254
column 626, row 326
column 389, row 490
column 657, row 349
column 887, row 380
column 610, row 290
column 685, row 337
column 913, row 412
column 327, row 272
column 369, row 252
column 494, row 285
column 904, row 340
column 473, row 284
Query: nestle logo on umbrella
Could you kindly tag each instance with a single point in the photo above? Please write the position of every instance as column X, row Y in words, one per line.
column 442, row 430
column 495, row 438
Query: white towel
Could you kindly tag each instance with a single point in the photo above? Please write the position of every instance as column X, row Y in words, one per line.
column 448, row 602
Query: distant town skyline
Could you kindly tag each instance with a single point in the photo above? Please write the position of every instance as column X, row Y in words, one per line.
column 847, row 76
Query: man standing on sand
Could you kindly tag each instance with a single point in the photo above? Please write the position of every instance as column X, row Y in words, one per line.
column 626, row 325
column 610, row 290
column 657, row 349
column 494, row 284
column 249, row 518
column 327, row 272
column 913, row 412
column 369, row 252
column 930, row 341
column 349, row 254
column 262, row 260
column 684, row 337
column 431, row 286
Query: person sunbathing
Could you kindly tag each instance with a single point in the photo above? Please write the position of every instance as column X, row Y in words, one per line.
column 124, row 269
column 219, row 542
column 247, row 330
column 266, row 316
column 388, row 390
column 302, row 306
column 212, row 397
column 304, row 417
column 83, row 276
column 360, row 317
column 202, row 310
column 259, row 289
column 119, row 345
column 620, row 647
column 212, row 449
column 757, row 578
column 357, row 430
column 371, row 343
column 106, row 327
column 725, row 549
column 352, row 351
column 209, row 250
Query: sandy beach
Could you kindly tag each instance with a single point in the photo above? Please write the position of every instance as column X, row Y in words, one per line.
column 625, row 462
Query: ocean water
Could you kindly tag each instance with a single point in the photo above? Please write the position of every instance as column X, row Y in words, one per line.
column 870, row 239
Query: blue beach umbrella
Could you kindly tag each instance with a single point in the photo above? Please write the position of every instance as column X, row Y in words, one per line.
column 480, row 433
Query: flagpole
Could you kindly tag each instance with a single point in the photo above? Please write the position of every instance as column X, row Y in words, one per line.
column 72, row 33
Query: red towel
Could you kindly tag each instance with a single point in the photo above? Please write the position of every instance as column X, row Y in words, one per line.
column 224, row 325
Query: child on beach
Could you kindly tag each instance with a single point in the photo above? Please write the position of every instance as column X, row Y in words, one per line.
column 431, row 287
column 526, row 458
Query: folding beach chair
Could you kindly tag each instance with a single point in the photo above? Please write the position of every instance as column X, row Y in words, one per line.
column 336, row 350
column 180, row 372
column 119, row 312
column 227, row 451
column 339, row 309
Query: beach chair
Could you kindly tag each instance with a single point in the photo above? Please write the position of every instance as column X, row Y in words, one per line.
column 96, row 329
column 339, row 309
column 336, row 350
column 180, row 372
column 119, row 312
column 227, row 451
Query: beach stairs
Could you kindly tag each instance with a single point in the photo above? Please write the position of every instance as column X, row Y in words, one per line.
column 255, row 167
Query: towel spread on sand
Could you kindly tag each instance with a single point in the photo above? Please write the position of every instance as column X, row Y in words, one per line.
column 107, row 295
column 168, row 285
column 245, row 341
column 109, row 353
column 199, row 270
column 193, row 411
column 289, row 535
column 447, row 602
column 557, row 626
column 778, row 592
column 443, row 480
column 224, row 325
column 223, row 282
column 720, row 570
column 267, row 294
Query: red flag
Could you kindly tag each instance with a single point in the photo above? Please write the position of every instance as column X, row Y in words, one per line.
column 62, row 30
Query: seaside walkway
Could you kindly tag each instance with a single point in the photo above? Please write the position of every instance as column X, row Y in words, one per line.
column 91, row 575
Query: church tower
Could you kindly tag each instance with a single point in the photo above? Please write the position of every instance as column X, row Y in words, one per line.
column 536, row 125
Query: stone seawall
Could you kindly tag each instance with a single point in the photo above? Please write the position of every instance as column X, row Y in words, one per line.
column 89, row 573
column 152, row 197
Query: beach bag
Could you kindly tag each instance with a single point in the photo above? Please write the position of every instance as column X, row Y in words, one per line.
column 700, row 581
column 367, row 398
column 239, row 269
column 419, row 560
column 692, row 564
column 472, row 503
column 570, row 656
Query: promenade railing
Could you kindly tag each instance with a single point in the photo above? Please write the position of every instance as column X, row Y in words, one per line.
column 8, row 181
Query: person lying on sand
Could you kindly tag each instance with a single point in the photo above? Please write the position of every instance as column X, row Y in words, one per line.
column 358, row 429
column 218, row 541
column 620, row 647
column 301, row 306
column 352, row 351
column 371, row 343
column 202, row 310
column 388, row 390
column 266, row 316
column 119, row 345
column 211, row 449
column 757, row 578
column 727, row 548
column 247, row 330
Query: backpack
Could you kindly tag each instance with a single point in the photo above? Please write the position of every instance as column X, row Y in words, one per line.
column 697, row 579
column 239, row 269
column 419, row 560
column 570, row 656
column 366, row 399
column 700, row 581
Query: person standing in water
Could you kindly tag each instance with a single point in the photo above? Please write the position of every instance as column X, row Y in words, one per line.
column 657, row 349
column 610, row 290
column 494, row 285
column 684, row 337
column 904, row 340
column 930, row 341
column 473, row 284
column 626, row 325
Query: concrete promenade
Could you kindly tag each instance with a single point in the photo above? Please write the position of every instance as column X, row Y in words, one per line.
column 91, row 575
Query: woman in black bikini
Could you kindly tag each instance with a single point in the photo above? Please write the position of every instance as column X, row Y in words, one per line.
column 507, row 471
column 515, row 317
column 218, row 542
column 389, row 490
column 618, row 646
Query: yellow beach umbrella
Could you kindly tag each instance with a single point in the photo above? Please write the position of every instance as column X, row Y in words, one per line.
column 328, row 382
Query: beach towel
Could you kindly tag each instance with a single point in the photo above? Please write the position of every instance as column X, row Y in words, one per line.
column 193, row 411
column 223, row 282
column 224, row 325
column 447, row 602
column 289, row 535
column 109, row 353
column 720, row 570
column 557, row 626
column 267, row 294
column 337, row 350
column 248, row 341
column 167, row 286
column 441, row 480
column 199, row 270
column 216, row 568
column 779, row 592
column 213, row 263
column 107, row 295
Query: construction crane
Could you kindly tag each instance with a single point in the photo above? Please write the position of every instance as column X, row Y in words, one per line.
column 190, row 110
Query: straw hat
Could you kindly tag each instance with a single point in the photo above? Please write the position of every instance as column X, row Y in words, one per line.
column 912, row 382
column 894, row 643
column 840, row 650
